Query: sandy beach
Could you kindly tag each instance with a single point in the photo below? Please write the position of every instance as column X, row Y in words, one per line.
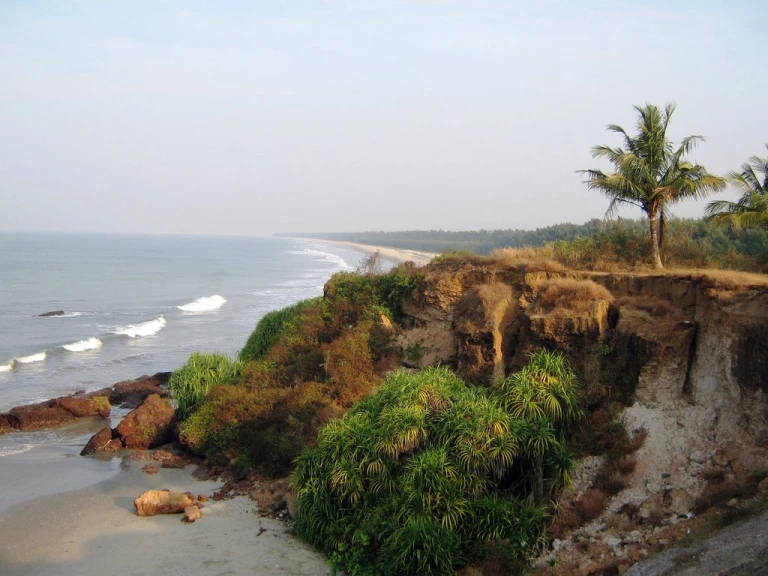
column 95, row 531
column 396, row 255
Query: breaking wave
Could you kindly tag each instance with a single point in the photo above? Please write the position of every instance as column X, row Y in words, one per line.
column 144, row 329
column 321, row 256
column 7, row 367
column 83, row 345
column 39, row 357
column 204, row 304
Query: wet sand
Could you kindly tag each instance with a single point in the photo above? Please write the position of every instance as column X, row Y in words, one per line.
column 95, row 531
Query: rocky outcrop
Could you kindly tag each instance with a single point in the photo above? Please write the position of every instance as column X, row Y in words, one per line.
column 63, row 410
column 52, row 313
column 682, row 357
column 131, row 393
column 103, row 441
column 80, row 407
column 37, row 416
column 148, row 425
column 153, row 502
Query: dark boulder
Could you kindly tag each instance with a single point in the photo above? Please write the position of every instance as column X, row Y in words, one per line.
column 148, row 425
column 52, row 313
column 104, row 440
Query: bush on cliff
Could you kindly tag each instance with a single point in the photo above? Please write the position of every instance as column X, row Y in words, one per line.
column 190, row 383
column 428, row 472
column 301, row 367
column 270, row 329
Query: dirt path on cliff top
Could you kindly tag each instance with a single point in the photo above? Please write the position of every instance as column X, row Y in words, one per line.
column 741, row 549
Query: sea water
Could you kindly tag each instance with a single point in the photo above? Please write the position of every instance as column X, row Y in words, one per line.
column 135, row 305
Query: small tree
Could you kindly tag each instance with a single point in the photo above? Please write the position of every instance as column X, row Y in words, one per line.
column 650, row 173
column 751, row 210
column 372, row 264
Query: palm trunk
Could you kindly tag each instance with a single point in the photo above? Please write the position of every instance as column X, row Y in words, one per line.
column 654, row 223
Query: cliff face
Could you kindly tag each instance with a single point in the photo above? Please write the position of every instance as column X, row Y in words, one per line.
column 686, row 356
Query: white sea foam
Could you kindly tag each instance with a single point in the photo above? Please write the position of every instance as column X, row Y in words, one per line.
column 83, row 345
column 144, row 329
column 204, row 304
column 70, row 315
column 16, row 449
column 7, row 367
column 39, row 357
column 322, row 256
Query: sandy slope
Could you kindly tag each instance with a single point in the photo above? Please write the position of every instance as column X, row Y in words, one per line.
column 95, row 531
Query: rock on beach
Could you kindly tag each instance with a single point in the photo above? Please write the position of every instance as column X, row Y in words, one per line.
column 153, row 502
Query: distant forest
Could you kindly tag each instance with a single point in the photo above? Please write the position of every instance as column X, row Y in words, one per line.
column 718, row 241
column 480, row 241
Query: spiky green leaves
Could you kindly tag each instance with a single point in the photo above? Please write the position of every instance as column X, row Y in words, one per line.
column 751, row 210
column 545, row 388
column 649, row 172
column 415, row 471
column 190, row 383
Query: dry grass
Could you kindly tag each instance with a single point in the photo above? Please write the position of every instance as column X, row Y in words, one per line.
column 723, row 279
column 572, row 294
column 719, row 494
column 626, row 465
column 591, row 504
column 637, row 440
column 570, row 515
column 541, row 259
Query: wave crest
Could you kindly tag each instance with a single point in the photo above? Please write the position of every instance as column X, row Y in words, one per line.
column 39, row 357
column 204, row 304
column 83, row 345
column 7, row 367
column 144, row 329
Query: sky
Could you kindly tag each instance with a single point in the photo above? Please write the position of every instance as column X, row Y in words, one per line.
column 255, row 117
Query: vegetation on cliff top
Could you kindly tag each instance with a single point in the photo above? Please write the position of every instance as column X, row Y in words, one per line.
column 300, row 367
column 650, row 172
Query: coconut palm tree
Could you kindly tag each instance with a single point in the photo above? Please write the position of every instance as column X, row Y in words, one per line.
column 650, row 173
column 751, row 210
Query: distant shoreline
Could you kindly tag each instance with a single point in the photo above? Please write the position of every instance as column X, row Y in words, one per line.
column 397, row 255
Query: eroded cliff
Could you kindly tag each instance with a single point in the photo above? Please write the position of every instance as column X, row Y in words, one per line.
column 682, row 357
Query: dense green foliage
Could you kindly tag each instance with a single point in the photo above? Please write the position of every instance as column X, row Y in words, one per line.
column 419, row 477
column 190, row 383
column 350, row 293
column 687, row 244
column 301, row 367
column 269, row 329
column 649, row 172
column 751, row 210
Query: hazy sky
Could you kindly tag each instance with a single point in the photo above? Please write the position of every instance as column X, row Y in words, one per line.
column 259, row 117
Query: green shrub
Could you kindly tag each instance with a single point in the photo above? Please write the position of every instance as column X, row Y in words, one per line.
column 190, row 383
column 270, row 329
column 215, row 422
column 353, row 297
column 414, row 477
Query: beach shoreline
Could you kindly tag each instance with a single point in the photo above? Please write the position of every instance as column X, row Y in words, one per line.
column 396, row 255
column 95, row 530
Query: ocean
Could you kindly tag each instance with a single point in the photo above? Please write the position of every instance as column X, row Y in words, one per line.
column 135, row 305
